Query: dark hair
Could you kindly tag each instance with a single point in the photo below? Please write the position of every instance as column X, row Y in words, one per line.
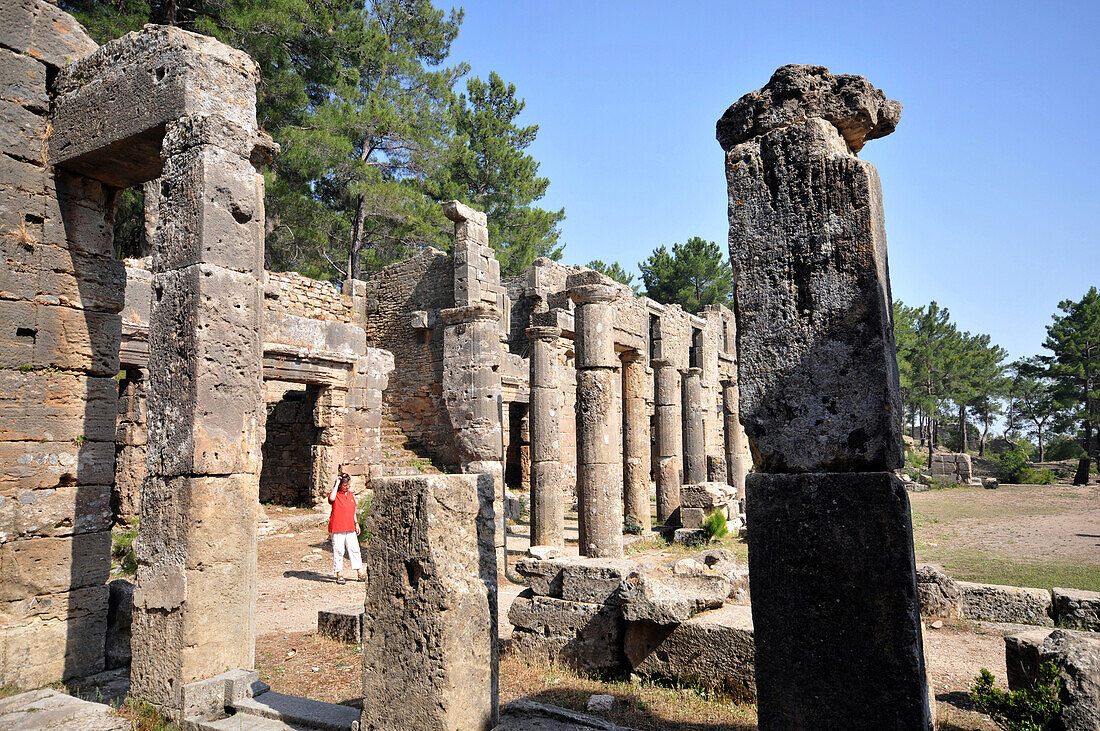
column 345, row 477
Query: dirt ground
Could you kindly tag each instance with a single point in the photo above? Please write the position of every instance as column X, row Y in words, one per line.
column 295, row 580
column 1021, row 535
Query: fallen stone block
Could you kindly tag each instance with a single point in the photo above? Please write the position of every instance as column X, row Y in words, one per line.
column 689, row 536
column 714, row 649
column 1077, row 608
column 994, row 603
column 341, row 623
column 670, row 598
column 939, row 594
column 51, row 709
column 1077, row 657
column 707, row 495
column 581, row 635
column 527, row 715
column 692, row 517
column 593, row 580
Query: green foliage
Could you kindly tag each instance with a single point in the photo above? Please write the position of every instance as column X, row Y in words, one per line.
column 1029, row 709
column 487, row 168
column 1036, row 401
column 361, row 513
column 631, row 526
column 714, row 526
column 1013, row 467
column 615, row 271
column 1063, row 447
column 694, row 275
column 1074, row 367
column 122, row 550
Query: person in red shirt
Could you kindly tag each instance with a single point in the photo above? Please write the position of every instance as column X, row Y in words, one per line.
column 344, row 528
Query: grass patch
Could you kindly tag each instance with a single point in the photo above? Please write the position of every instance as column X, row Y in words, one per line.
column 123, row 561
column 286, row 662
column 984, row 568
column 7, row 690
column 644, row 705
column 143, row 716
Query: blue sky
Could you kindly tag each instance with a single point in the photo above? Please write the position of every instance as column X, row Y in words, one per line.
column 990, row 182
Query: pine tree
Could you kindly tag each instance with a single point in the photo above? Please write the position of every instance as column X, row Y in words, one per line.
column 694, row 275
column 1074, row 340
column 615, row 271
column 488, row 168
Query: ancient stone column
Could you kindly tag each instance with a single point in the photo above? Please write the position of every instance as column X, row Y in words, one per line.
column 329, row 416
column 666, row 393
column 430, row 616
column 695, row 450
column 599, row 457
column 472, row 352
column 547, row 497
column 734, row 437
column 636, row 460
column 830, row 534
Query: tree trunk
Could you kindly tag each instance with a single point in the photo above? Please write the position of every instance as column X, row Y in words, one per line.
column 931, row 440
column 985, row 434
column 357, row 235
column 962, row 429
column 1084, row 465
column 1042, row 449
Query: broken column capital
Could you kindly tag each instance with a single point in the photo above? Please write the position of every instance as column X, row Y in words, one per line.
column 544, row 332
column 586, row 294
column 797, row 92
column 469, row 313
column 459, row 212
column 693, row 372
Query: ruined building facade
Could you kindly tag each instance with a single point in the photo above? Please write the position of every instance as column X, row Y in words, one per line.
column 186, row 387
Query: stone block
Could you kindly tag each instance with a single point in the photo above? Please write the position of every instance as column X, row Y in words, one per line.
column 40, row 652
column 581, row 635
column 38, row 566
column 993, row 603
column 341, row 623
column 544, row 576
column 159, row 75
column 34, row 465
column 25, row 133
column 205, row 341
column 23, row 81
column 669, row 598
column 939, row 594
column 52, row 709
column 707, row 495
column 213, row 212
column 120, row 613
column 716, row 468
column 50, row 406
column 690, row 517
column 430, row 626
column 594, row 580
column 62, row 275
column 818, row 382
column 38, row 336
column 689, row 536
column 713, row 649
column 57, row 512
column 1077, row 609
column 17, row 23
column 58, row 39
column 523, row 714
column 1077, row 657
column 828, row 551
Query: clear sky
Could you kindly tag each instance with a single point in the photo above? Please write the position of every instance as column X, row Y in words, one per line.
column 990, row 182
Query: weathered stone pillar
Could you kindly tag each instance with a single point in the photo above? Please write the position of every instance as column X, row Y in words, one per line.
column 695, row 450
column 599, row 456
column 636, row 460
column 666, row 393
column 430, row 618
column 472, row 352
column 547, row 497
column 830, row 534
column 736, row 469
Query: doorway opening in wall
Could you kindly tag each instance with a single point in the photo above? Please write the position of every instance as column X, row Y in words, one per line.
column 695, row 354
column 287, row 471
column 518, row 455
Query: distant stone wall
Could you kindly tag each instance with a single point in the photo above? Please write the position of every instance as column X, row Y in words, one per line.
column 290, row 436
column 402, row 305
column 294, row 294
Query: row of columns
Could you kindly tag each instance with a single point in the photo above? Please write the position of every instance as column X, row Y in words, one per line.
column 613, row 473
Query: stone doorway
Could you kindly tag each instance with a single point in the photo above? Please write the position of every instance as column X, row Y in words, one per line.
column 286, row 477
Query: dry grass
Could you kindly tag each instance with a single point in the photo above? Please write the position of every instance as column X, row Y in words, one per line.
column 310, row 665
column 144, row 717
column 644, row 706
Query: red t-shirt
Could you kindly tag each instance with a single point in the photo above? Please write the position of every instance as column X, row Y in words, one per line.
column 342, row 518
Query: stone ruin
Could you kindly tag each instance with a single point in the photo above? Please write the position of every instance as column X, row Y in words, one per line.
column 160, row 387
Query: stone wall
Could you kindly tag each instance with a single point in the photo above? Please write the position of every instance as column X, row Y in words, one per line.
column 402, row 303
column 287, row 469
column 60, row 294
column 293, row 294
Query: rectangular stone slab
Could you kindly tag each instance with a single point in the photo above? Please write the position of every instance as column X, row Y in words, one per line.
column 817, row 373
column 834, row 602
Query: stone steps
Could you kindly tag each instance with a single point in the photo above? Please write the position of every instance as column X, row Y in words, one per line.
column 401, row 456
column 294, row 712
